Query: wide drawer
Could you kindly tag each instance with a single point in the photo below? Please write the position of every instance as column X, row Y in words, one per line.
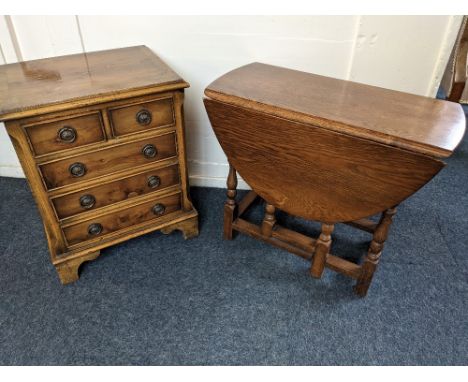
column 100, row 226
column 107, row 161
column 142, row 116
column 113, row 192
column 63, row 134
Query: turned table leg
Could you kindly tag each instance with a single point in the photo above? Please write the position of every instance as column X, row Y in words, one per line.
column 374, row 253
column 322, row 249
column 230, row 207
column 269, row 220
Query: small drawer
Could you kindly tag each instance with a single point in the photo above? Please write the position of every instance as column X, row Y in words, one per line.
column 121, row 157
column 122, row 189
column 50, row 137
column 143, row 116
column 100, row 226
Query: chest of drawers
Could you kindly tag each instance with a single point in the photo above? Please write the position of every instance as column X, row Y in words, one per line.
column 100, row 137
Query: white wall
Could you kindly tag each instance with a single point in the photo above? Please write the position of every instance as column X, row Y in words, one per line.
column 405, row 53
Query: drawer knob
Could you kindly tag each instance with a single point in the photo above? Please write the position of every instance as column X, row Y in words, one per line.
column 149, row 151
column 87, row 201
column 143, row 117
column 154, row 181
column 159, row 209
column 77, row 169
column 94, row 229
column 67, row 134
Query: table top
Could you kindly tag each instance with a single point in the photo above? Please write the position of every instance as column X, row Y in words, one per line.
column 419, row 124
column 46, row 83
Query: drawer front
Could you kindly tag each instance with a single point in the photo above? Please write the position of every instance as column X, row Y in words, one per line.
column 143, row 116
column 65, row 134
column 100, row 226
column 102, row 162
column 122, row 189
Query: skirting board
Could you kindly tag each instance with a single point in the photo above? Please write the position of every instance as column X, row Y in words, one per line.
column 11, row 171
column 215, row 182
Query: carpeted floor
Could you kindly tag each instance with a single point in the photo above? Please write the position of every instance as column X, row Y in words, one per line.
column 165, row 301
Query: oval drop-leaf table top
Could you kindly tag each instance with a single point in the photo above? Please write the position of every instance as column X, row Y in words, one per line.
column 327, row 149
column 420, row 124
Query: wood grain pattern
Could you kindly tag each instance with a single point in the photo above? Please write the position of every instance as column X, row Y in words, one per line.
column 125, row 218
column 44, row 137
column 316, row 173
column 416, row 123
column 57, row 174
column 124, row 119
column 116, row 191
column 46, row 85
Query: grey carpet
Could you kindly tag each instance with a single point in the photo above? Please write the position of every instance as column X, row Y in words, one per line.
column 165, row 301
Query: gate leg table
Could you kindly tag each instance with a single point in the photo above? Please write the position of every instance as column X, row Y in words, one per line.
column 328, row 150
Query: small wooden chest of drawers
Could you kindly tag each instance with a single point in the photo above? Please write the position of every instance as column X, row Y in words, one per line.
column 100, row 137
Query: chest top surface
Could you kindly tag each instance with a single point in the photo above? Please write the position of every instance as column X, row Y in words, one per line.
column 412, row 122
column 43, row 83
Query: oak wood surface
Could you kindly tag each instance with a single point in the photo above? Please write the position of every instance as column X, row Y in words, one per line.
column 45, row 137
column 124, row 119
column 122, row 189
column 127, row 233
column 120, row 157
column 416, row 123
column 126, row 217
column 316, row 173
column 79, row 78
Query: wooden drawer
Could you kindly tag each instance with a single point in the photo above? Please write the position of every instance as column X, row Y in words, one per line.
column 142, row 116
column 63, row 134
column 102, row 162
column 100, row 226
column 113, row 192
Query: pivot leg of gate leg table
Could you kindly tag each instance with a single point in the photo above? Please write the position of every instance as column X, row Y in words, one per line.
column 269, row 220
column 230, row 207
column 375, row 251
column 322, row 249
